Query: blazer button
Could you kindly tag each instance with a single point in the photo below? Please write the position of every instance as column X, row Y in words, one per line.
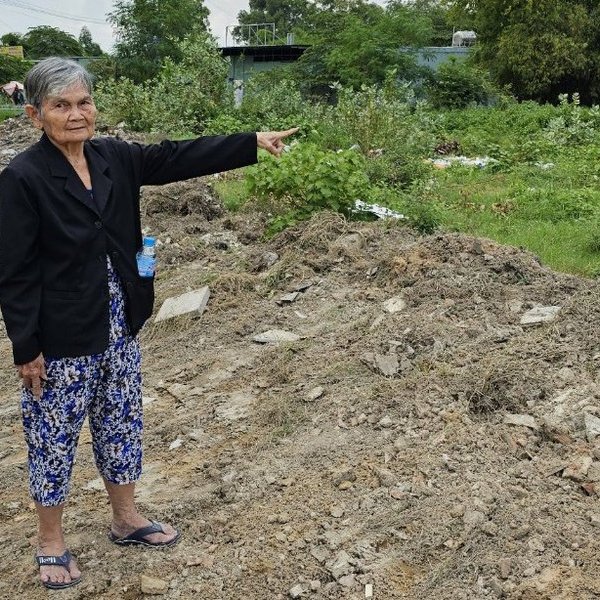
column 98, row 224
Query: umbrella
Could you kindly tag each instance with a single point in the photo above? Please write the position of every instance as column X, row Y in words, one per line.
column 9, row 87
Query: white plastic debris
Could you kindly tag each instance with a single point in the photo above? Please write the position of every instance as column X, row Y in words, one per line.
column 380, row 211
column 479, row 161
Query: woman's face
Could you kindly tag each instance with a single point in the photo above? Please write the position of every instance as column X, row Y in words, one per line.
column 67, row 118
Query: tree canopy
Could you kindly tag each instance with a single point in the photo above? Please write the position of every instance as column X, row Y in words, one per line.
column 356, row 42
column 11, row 39
column 540, row 48
column 43, row 41
column 353, row 42
column 288, row 16
column 148, row 31
column 89, row 47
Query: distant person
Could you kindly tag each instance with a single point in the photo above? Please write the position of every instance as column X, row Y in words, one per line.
column 73, row 301
column 17, row 96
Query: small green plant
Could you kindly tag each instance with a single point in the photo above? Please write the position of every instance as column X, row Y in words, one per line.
column 574, row 124
column 308, row 179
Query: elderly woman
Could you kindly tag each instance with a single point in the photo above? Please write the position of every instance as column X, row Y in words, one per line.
column 73, row 301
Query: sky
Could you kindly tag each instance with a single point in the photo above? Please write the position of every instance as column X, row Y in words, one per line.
column 72, row 15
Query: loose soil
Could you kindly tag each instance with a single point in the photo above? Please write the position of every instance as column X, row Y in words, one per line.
column 299, row 468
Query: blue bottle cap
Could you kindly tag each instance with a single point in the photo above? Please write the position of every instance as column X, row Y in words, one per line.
column 149, row 241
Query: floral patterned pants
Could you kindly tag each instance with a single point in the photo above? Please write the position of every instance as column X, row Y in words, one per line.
column 105, row 387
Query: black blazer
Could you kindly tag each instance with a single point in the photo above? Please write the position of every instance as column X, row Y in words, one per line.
column 54, row 238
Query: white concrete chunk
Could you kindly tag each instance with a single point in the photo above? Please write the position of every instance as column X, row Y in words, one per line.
column 175, row 444
column 540, row 314
column 394, row 305
column 190, row 302
column 521, row 421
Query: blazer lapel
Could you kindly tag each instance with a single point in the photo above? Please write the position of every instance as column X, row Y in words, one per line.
column 101, row 184
column 74, row 186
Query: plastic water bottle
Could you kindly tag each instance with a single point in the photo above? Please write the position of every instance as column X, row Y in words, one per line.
column 146, row 258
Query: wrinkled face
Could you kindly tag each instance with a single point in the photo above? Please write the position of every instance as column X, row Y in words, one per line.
column 68, row 117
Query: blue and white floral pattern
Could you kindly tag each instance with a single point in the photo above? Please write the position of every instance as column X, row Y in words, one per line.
column 107, row 388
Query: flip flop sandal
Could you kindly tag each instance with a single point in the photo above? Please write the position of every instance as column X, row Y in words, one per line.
column 138, row 537
column 57, row 561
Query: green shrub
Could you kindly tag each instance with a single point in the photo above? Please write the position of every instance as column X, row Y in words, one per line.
column 181, row 99
column 13, row 69
column 573, row 124
column 122, row 101
column 273, row 102
column 308, row 179
column 392, row 130
column 102, row 68
column 226, row 122
column 456, row 84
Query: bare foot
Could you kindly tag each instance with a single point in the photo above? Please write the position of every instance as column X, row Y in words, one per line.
column 54, row 573
column 124, row 528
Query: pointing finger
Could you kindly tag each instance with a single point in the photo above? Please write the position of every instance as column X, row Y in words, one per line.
column 287, row 132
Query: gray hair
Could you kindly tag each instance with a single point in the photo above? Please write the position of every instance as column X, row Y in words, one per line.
column 52, row 76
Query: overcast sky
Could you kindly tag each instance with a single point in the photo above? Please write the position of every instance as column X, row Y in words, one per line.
column 19, row 15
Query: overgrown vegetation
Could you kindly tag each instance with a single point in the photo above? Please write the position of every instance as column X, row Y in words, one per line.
column 180, row 99
column 372, row 120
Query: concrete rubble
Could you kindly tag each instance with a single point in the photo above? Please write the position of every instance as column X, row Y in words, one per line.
column 193, row 303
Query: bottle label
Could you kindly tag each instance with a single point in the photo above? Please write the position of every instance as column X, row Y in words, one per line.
column 146, row 265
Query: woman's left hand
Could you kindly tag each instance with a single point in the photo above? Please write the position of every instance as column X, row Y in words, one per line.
column 271, row 141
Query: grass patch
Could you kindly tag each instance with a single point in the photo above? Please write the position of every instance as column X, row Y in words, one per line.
column 232, row 192
column 6, row 113
column 550, row 206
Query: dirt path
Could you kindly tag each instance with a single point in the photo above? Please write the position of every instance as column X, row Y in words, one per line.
column 300, row 469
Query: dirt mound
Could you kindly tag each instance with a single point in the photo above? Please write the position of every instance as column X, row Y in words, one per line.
column 16, row 134
column 422, row 435
column 182, row 199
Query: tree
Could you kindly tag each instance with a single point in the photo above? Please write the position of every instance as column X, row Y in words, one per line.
column 13, row 68
column 180, row 99
column 438, row 14
column 90, row 48
column 288, row 16
column 11, row 39
column 355, row 43
column 541, row 48
column 148, row 31
column 44, row 41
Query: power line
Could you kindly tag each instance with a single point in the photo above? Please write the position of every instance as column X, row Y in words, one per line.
column 54, row 13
